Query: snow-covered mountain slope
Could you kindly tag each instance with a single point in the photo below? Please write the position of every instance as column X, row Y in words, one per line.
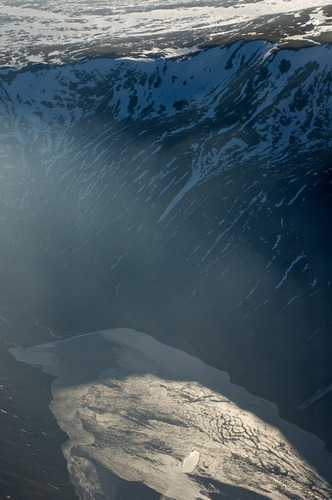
column 54, row 31
column 185, row 197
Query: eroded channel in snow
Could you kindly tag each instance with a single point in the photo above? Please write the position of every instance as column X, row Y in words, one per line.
column 146, row 412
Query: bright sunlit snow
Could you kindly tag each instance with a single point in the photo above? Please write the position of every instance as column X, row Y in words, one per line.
column 29, row 30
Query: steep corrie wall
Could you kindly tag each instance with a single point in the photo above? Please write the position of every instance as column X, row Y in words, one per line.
column 188, row 198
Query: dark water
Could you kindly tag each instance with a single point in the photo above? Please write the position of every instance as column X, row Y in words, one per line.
column 134, row 409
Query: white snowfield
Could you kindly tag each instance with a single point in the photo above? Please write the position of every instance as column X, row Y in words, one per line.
column 150, row 413
column 26, row 28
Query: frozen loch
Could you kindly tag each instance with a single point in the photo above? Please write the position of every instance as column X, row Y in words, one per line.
column 191, row 461
column 141, row 411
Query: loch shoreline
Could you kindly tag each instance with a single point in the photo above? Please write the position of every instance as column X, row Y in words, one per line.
column 88, row 368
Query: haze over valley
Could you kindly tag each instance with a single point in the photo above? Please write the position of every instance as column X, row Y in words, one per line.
column 166, row 169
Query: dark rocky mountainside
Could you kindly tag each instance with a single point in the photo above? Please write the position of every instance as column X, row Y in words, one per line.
column 187, row 198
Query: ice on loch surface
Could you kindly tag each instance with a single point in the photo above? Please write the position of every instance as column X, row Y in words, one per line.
column 143, row 411
column 191, row 461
